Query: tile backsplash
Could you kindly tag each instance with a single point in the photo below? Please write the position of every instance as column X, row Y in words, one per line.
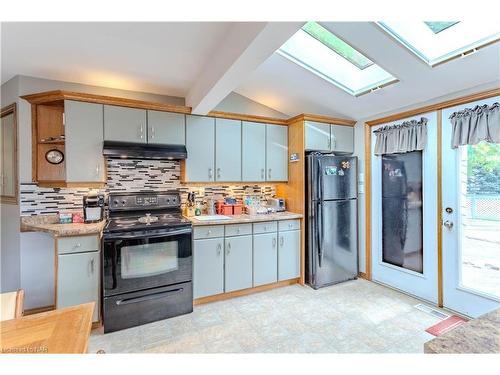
column 130, row 175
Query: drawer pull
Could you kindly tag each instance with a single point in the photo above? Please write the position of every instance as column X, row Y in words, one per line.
column 78, row 245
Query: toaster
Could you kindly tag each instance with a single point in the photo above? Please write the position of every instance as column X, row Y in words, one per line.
column 278, row 204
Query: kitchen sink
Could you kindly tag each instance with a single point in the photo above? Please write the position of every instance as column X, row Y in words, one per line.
column 212, row 217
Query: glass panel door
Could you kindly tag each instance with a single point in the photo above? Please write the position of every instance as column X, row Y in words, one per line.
column 404, row 218
column 471, row 222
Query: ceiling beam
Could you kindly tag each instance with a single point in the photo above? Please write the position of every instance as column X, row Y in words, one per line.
column 246, row 46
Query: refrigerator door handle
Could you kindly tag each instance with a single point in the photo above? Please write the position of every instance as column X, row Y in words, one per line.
column 320, row 234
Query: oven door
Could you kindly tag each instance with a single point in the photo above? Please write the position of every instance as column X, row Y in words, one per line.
column 137, row 261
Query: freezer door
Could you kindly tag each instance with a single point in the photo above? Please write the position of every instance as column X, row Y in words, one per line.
column 336, row 258
column 337, row 177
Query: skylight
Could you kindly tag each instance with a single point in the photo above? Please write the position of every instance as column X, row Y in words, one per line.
column 437, row 42
column 337, row 45
column 321, row 52
column 439, row 26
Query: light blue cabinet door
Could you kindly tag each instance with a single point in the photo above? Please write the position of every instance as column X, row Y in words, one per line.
column 208, row 267
column 124, row 124
column 288, row 255
column 200, row 144
column 78, row 280
column 253, row 151
column 238, row 263
column 84, row 138
column 227, row 150
column 166, row 128
column 265, row 258
column 342, row 138
column 317, row 136
column 276, row 152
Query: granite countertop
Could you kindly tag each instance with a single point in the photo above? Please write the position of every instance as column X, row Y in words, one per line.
column 481, row 335
column 50, row 224
column 244, row 218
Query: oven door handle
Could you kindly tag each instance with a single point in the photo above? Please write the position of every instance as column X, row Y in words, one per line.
column 128, row 301
column 118, row 236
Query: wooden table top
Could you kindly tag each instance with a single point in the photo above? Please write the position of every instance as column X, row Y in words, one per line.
column 59, row 331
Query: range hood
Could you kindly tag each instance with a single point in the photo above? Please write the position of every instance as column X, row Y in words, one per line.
column 130, row 150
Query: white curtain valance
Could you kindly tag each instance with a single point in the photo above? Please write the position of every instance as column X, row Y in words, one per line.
column 473, row 125
column 405, row 137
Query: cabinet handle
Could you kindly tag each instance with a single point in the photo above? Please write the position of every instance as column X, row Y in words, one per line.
column 262, row 174
column 141, row 132
column 209, row 232
column 218, row 172
column 329, row 141
column 269, row 173
column 274, row 241
column 282, row 240
column 97, row 170
column 152, row 132
column 238, row 230
column 290, row 225
column 228, row 247
column 78, row 245
column 92, row 266
column 210, row 173
column 219, row 247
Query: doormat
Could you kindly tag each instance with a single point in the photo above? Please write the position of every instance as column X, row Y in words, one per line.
column 446, row 325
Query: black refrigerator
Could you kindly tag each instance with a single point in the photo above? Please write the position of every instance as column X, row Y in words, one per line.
column 332, row 212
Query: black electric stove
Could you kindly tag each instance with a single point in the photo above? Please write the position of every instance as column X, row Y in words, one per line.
column 147, row 260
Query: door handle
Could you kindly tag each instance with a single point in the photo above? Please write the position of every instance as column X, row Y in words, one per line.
column 92, row 266
column 448, row 224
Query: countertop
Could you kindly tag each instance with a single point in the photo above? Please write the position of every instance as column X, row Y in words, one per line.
column 50, row 224
column 244, row 218
column 58, row 331
column 481, row 335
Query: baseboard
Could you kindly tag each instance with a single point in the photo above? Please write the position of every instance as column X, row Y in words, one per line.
column 244, row 292
column 38, row 310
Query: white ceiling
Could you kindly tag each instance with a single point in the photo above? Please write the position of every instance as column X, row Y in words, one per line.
column 168, row 58
column 161, row 58
column 292, row 89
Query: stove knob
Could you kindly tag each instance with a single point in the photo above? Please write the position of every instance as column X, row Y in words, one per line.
column 123, row 202
column 115, row 203
column 168, row 200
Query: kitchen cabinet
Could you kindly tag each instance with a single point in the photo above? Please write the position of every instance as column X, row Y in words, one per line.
column 227, row 150
column 78, row 279
column 342, row 138
column 208, row 267
column 276, row 153
column 84, row 139
column 200, row 144
column 166, row 128
column 253, row 151
column 238, row 263
column 329, row 137
column 125, row 124
column 265, row 258
column 288, row 255
column 317, row 136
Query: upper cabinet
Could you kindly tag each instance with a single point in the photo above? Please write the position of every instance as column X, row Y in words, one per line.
column 227, row 150
column 125, row 124
column 317, row 136
column 200, row 144
column 166, row 128
column 276, row 153
column 329, row 137
column 84, row 139
column 253, row 151
column 342, row 138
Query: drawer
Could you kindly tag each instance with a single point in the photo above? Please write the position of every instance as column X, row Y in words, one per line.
column 208, row 231
column 238, row 229
column 284, row 225
column 265, row 227
column 77, row 244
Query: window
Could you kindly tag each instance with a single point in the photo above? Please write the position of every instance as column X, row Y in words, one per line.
column 439, row 26
column 437, row 42
column 321, row 52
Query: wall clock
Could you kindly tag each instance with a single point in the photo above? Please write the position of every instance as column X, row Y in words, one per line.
column 54, row 156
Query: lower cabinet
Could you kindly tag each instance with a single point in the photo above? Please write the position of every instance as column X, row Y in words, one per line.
column 288, row 255
column 265, row 258
column 78, row 280
column 238, row 263
column 208, row 267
